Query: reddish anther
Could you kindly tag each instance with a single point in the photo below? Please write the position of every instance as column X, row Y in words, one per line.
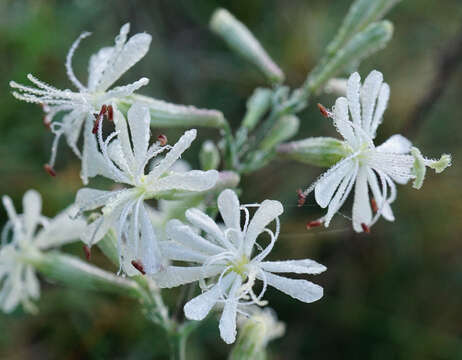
column 301, row 198
column 313, row 224
column 374, row 205
column 162, row 139
column 366, row 228
column 323, row 110
column 87, row 252
column 49, row 170
column 138, row 266
column 46, row 123
column 110, row 113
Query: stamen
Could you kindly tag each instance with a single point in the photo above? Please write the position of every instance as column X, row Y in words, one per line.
column 110, row 113
column 98, row 119
column 313, row 224
column 324, row 112
column 138, row 266
column 87, row 252
column 366, row 228
column 49, row 170
column 162, row 139
column 301, row 197
column 374, row 206
column 46, row 122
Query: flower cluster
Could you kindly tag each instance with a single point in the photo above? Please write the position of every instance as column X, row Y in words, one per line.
column 104, row 69
column 127, row 153
column 232, row 260
column 371, row 170
column 29, row 232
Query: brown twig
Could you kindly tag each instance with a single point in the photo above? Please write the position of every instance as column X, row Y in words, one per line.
column 448, row 61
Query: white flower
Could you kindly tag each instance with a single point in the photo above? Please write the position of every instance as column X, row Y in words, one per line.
column 30, row 231
column 126, row 154
column 228, row 259
column 371, row 170
column 105, row 68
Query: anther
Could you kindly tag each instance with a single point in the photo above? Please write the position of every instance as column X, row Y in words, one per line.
column 98, row 119
column 46, row 122
column 366, row 228
column 162, row 139
column 301, row 198
column 110, row 113
column 87, row 252
column 323, row 110
column 138, row 266
column 374, row 205
column 313, row 224
column 49, row 170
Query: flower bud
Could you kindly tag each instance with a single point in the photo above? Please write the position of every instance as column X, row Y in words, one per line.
column 241, row 40
column 319, row 151
column 421, row 163
column 209, row 156
column 257, row 105
column 284, row 129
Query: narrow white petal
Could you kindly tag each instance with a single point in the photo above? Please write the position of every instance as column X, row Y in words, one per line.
column 396, row 144
column 193, row 180
column 175, row 251
column 341, row 195
column 199, row 307
column 116, row 155
column 133, row 51
column 362, row 213
column 173, row 155
column 342, row 121
column 397, row 166
column 124, row 138
column 61, row 230
column 9, row 207
column 90, row 199
column 329, row 182
column 227, row 323
column 369, row 93
column 305, row 266
column 184, row 235
column 139, row 121
column 204, row 222
column 382, row 102
column 353, row 89
column 97, row 65
column 31, row 282
column 32, row 208
column 382, row 203
column 148, row 248
column 174, row 276
column 268, row 211
column 228, row 204
column 302, row 290
column 72, row 124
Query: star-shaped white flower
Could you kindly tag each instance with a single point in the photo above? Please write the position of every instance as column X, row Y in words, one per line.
column 127, row 154
column 233, row 260
column 373, row 171
column 26, row 232
column 105, row 68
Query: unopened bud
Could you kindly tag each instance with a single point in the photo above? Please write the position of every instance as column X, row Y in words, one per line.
column 209, row 156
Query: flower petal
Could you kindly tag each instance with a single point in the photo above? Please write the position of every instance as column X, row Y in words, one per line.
column 342, row 121
column 32, row 208
column 362, row 213
column 302, row 290
column 132, row 52
column 382, row 102
column 329, row 181
column 72, row 127
column 199, row 307
column 97, row 65
column 124, row 139
column 175, row 251
column 148, row 248
column 369, row 93
column 382, row 203
column 193, row 180
column 90, row 199
column 228, row 204
column 139, row 120
column 305, row 266
column 184, row 235
column 173, row 155
column 204, row 222
column 396, row 144
column 268, row 211
column 227, row 323
column 353, row 89
column 31, row 282
column 173, row 276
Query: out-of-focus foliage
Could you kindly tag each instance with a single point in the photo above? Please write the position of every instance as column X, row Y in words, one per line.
column 394, row 294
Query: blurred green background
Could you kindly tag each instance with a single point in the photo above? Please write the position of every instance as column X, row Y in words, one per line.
column 393, row 294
